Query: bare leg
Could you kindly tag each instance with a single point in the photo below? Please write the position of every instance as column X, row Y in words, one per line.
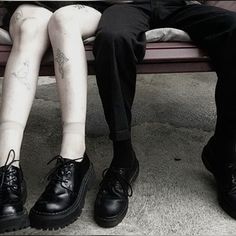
column 28, row 29
column 67, row 27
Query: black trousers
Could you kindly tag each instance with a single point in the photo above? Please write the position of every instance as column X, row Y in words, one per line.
column 119, row 45
column 214, row 29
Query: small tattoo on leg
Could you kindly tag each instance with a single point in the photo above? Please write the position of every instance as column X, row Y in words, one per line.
column 18, row 15
column 61, row 59
column 22, row 74
column 79, row 6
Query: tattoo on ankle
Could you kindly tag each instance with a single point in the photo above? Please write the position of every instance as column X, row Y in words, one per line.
column 17, row 16
column 79, row 6
column 22, row 74
column 61, row 59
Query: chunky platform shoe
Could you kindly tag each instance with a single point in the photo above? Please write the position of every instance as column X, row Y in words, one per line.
column 13, row 215
column 63, row 199
column 225, row 176
column 112, row 201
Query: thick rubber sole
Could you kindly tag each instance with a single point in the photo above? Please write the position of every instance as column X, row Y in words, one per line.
column 14, row 222
column 46, row 221
column 112, row 222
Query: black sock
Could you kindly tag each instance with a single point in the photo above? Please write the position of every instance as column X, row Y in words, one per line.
column 123, row 154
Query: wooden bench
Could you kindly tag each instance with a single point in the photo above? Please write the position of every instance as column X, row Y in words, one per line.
column 171, row 57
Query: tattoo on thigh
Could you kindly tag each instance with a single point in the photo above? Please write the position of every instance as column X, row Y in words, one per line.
column 22, row 74
column 79, row 6
column 18, row 15
column 61, row 59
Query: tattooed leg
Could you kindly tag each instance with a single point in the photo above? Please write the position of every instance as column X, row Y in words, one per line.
column 30, row 40
column 79, row 6
column 67, row 27
column 22, row 74
column 18, row 15
column 61, row 60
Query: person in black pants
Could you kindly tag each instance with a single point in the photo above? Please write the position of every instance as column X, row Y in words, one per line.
column 119, row 45
column 214, row 29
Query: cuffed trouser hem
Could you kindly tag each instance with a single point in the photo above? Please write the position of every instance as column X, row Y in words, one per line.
column 120, row 135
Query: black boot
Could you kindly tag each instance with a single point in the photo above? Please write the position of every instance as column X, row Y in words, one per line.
column 111, row 204
column 63, row 199
column 223, row 168
column 13, row 215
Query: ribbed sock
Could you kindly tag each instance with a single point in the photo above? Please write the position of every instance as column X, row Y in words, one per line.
column 73, row 142
column 11, row 134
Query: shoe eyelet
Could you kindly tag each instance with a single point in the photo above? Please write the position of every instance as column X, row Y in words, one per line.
column 71, row 164
column 15, row 187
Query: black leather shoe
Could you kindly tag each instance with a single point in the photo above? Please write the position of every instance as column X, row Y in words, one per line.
column 63, row 199
column 225, row 176
column 111, row 204
column 13, row 215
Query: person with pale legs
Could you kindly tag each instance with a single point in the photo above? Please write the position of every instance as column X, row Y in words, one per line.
column 32, row 29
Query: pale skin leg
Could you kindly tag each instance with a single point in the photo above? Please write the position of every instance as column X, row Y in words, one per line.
column 28, row 29
column 67, row 28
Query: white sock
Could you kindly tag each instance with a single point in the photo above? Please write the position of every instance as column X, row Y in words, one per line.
column 73, row 142
column 11, row 135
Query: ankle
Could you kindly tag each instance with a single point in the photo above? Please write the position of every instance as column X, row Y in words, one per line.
column 10, row 159
column 123, row 154
column 11, row 125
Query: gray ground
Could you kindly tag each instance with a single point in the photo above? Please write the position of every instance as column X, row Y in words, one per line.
column 173, row 117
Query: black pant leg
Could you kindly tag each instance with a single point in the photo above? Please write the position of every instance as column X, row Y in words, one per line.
column 120, row 44
column 215, row 30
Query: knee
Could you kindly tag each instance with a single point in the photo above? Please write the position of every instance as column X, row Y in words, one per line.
column 30, row 28
column 111, row 38
column 61, row 21
column 228, row 24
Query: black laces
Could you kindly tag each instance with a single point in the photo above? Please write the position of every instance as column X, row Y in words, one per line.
column 110, row 178
column 7, row 174
column 61, row 172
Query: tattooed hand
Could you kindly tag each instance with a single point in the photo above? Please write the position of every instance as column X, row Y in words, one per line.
column 61, row 59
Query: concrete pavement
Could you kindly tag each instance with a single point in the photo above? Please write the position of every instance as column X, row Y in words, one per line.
column 173, row 117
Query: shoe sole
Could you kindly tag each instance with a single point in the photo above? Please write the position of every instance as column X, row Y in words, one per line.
column 226, row 207
column 14, row 222
column 44, row 221
column 112, row 222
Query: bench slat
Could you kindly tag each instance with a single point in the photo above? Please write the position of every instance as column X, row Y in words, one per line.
column 161, row 57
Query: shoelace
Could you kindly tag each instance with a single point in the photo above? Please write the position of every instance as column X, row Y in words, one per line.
column 60, row 171
column 7, row 175
column 114, row 175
